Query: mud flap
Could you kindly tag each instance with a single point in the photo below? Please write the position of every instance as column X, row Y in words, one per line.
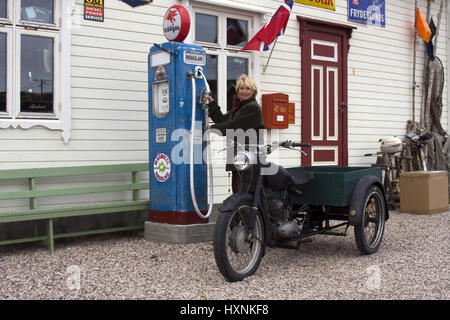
column 356, row 208
column 230, row 203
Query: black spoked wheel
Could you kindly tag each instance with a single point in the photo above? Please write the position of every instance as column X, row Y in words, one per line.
column 238, row 250
column 369, row 232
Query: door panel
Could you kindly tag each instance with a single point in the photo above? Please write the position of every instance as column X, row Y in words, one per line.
column 324, row 92
column 326, row 125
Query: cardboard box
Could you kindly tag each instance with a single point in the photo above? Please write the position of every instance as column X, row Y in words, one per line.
column 424, row 191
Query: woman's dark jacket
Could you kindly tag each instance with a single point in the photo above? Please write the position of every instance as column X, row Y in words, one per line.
column 245, row 115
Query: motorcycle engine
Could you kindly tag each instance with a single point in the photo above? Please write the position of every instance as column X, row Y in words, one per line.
column 287, row 229
column 276, row 209
column 282, row 228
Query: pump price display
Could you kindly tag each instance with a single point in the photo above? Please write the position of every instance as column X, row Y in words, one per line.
column 161, row 99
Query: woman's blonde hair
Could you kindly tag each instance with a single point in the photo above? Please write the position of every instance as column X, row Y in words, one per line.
column 245, row 80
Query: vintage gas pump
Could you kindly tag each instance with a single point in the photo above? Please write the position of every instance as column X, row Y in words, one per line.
column 178, row 171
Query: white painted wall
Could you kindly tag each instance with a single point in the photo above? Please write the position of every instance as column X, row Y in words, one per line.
column 109, row 85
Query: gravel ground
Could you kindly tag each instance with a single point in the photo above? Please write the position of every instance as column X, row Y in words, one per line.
column 412, row 263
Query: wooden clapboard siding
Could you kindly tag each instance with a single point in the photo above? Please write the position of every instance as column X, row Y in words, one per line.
column 109, row 82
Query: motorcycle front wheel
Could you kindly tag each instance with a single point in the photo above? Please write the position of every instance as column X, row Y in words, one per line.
column 238, row 251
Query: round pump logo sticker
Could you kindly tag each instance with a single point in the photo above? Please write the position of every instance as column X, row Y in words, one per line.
column 161, row 167
column 176, row 23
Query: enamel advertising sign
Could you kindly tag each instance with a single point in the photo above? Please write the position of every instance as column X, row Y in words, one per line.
column 137, row 3
column 325, row 4
column 94, row 10
column 176, row 23
column 367, row 11
column 161, row 167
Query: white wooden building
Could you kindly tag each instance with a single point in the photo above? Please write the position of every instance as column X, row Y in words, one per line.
column 96, row 106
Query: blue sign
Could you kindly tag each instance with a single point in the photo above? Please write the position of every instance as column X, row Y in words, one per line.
column 367, row 11
column 137, row 3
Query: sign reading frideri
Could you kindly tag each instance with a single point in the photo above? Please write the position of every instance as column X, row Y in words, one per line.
column 367, row 11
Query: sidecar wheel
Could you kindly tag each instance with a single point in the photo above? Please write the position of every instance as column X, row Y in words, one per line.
column 238, row 252
column 369, row 231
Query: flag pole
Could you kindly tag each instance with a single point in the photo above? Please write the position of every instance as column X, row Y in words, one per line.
column 265, row 67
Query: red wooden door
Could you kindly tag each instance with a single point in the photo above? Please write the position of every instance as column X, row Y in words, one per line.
column 324, row 92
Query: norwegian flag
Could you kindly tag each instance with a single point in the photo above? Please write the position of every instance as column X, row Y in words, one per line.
column 275, row 27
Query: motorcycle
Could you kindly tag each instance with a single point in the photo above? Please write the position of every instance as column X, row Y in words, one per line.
column 290, row 205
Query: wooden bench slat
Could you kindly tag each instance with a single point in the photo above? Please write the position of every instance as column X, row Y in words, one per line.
column 72, row 171
column 58, row 212
column 97, row 231
column 72, row 191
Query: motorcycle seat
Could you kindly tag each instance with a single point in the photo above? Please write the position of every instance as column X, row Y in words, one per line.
column 301, row 177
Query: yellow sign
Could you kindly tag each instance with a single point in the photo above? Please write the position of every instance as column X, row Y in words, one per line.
column 326, row 4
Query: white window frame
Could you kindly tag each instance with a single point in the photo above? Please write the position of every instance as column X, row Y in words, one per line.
column 9, row 72
column 56, row 62
column 9, row 13
column 60, row 31
column 223, row 10
column 55, row 25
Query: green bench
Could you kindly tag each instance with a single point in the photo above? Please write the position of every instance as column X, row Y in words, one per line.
column 35, row 213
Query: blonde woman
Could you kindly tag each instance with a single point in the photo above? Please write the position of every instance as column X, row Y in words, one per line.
column 245, row 114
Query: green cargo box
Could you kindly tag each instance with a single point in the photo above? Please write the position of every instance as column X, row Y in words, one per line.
column 332, row 186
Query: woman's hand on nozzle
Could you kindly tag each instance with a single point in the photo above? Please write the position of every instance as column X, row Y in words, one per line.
column 208, row 98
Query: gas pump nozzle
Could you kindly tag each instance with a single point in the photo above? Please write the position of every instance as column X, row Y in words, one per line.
column 206, row 91
column 202, row 101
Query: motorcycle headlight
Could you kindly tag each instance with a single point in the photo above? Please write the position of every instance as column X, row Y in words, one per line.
column 244, row 160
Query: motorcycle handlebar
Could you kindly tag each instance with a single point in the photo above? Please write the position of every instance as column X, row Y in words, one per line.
column 288, row 144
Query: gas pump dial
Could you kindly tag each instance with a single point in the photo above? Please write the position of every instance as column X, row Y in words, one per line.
column 161, row 99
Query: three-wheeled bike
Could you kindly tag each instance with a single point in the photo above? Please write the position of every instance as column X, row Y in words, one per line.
column 289, row 205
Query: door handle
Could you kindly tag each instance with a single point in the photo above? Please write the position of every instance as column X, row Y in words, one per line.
column 343, row 106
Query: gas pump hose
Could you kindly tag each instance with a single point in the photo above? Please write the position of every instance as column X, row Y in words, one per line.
column 191, row 156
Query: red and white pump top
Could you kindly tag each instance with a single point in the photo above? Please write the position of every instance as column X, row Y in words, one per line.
column 176, row 23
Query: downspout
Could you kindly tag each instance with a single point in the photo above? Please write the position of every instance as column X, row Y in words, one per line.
column 414, row 65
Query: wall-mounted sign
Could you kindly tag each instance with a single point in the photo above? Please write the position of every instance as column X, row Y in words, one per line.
column 367, row 11
column 94, row 10
column 176, row 23
column 326, row 4
column 137, row 3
